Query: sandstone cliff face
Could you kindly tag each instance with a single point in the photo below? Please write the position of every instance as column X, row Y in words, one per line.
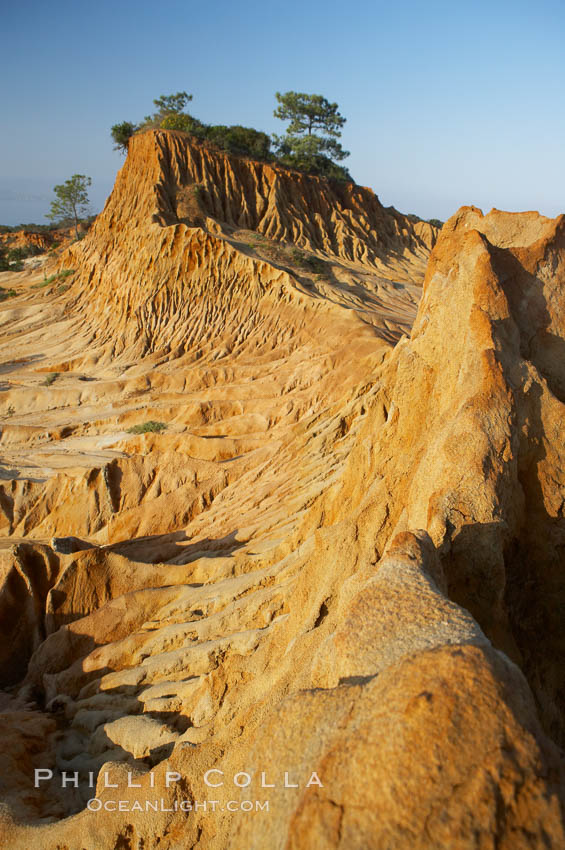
column 180, row 181
column 343, row 557
column 27, row 239
column 185, row 214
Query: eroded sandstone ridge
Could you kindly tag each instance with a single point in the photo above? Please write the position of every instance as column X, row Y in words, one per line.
column 343, row 557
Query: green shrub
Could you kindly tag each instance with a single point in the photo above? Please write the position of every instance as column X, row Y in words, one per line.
column 150, row 427
column 258, row 241
column 45, row 282
column 276, row 253
column 181, row 121
column 121, row 134
column 54, row 278
column 8, row 264
column 435, row 222
column 243, row 140
column 318, row 165
column 7, row 293
column 236, row 139
column 312, row 264
column 50, row 379
column 15, row 255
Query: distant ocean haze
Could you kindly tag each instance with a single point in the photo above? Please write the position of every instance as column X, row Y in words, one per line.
column 27, row 200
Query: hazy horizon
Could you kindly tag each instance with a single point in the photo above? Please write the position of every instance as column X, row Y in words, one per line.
column 445, row 105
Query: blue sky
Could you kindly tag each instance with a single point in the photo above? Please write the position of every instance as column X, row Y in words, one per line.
column 446, row 103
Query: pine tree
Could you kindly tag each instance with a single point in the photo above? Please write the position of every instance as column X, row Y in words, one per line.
column 72, row 199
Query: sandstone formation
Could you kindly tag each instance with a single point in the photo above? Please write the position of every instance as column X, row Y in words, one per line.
column 341, row 560
column 27, row 239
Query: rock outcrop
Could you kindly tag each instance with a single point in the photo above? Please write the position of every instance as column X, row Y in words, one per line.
column 336, row 575
column 27, row 239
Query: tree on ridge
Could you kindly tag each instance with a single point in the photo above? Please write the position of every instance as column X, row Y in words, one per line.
column 302, row 146
column 121, row 134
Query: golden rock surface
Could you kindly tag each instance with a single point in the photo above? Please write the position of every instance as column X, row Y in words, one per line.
column 341, row 561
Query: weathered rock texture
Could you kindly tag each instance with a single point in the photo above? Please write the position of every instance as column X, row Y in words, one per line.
column 27, row 239
column 344, row 555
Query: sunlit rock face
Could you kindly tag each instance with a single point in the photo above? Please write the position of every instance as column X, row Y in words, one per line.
column 333, row 583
